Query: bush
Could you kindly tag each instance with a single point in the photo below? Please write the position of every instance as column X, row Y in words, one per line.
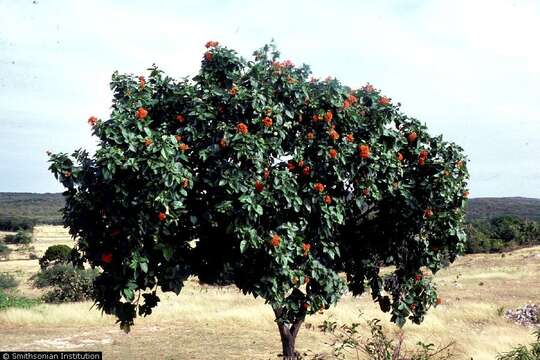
column 12, row 300
column 21, row 237
column 54, row 255
column 7, row 281
column 4, row 250
column 521, row 352
column 68, row 283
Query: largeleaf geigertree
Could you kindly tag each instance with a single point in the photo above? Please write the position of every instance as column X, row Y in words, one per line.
column 294, row 189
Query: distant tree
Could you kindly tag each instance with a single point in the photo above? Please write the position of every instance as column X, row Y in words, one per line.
column 22, row 237
column 252, row 174
column 55, row 254
column 506, row 228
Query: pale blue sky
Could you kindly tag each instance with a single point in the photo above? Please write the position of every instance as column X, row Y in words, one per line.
column 468, row 69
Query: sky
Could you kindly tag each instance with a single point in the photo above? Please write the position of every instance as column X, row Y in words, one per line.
column 469, row 70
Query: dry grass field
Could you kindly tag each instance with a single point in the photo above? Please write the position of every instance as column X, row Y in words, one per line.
column 221, row 323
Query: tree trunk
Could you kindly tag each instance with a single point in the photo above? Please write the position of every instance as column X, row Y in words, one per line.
column 288, row 338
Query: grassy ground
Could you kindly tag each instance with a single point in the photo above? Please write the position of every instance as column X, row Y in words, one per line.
column 221, row 323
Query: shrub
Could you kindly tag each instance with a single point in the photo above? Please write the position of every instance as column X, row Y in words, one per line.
column 21, row 237
column 68, row 283
column 7, row 281
column 8, row 300
column 55, row 254
column 4, row 250
column 522, row 352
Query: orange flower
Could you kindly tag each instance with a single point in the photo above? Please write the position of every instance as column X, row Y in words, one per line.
column 276, row 240
column 400, row 156
column 418, row 277
column 383, row 100
column 148, row 142
column 259, row 186
column 141, row 113
column 319, row 187
column 334, row 135
column 162, row 216
column 413, row 307
column 305, row 306
column 466, row 194
column 185, row 183
column 180, row 118
column 350, row 138
column 208, row 56
column 92, row 120
column 301, row 163
column 428, row 213
column 178, row 138
column 233, row 91
column 327, row 199
column 291, row 166
column 106, row 258
column 266, row 173
column 315, row 118
column 306, row 170
column 421, row 162
column 306, row 248
column 346, row 104
column 211, row 44
column 310, row 136
column 412, row 137
column 423, row 154
column 332, row 153
column 459, row 164
column 142, row 82
column 183, row 147
column 352, row 99
column 439, row 301
column 364, row 151
column 328, row 116
column 267, row 122
column 223, row 144
column 242, row 128
column 67, row 173
column 446, row 173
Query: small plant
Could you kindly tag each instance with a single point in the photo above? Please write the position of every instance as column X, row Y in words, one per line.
column 7, row 281
column 68, row 283
column 500, row 311
column 8, row 300
column 379, row 346
column 521, row 352
column 21, row 237
column 56, row 254
column 4, row 250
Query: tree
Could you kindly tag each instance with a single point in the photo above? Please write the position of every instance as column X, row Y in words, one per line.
column 293, row 189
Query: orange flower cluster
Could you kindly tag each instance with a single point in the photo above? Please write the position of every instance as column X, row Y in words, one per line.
column 306, row 170
column 178, row 138
column 67, row 173
column 276, row 240
column 242, row 128
column 346, row 104
column 319, row 187
column 259, row 186
column 208, row 56
column 106, row 258
column 334, row 135
column 422, row 157
column 92, row 120
column 284, row 64
column 291, row 166
column 315, row 118
column 183, row 147
column 267, row 122
column 266, row 173
column 327, row 199
column 350, row 138
column 306, row 248
column 428, row 213
column 368, row 88
column 364, row 151
column 466, row 194
column 383, row 100
column 399, row 156
column 185, row 183
column 223, row 144
column 141, row 113
column 162, row 216
column 332, row 153
column 352, row 99
column 211, row 44
column 148, row 142
column 180, row 118
column 328, row 116
column 142, row 82
column 310, row 135
column 233, row 91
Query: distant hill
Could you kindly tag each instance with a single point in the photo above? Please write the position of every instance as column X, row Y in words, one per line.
column 485, row 208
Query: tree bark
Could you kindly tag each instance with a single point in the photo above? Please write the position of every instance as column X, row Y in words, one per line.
column 288, row 337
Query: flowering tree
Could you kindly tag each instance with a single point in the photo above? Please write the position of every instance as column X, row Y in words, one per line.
column 294, row 189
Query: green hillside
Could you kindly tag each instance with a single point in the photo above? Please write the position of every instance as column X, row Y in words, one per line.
column 520, row 207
